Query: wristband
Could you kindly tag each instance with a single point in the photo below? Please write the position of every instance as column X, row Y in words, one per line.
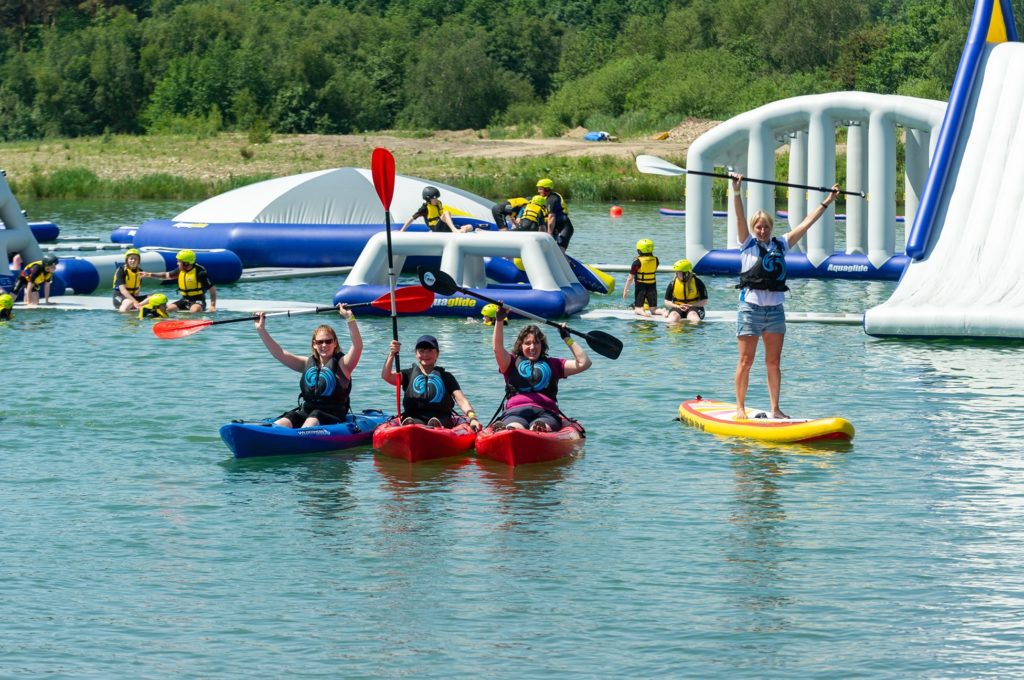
column 569, row 342
column 352, row 318
column 824, row 205
column 471, row 414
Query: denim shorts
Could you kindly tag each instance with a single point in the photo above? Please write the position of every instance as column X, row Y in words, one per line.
column 757, row 320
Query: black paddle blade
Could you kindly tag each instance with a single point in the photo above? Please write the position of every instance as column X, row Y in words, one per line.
column 604, row 344
column 437, row 281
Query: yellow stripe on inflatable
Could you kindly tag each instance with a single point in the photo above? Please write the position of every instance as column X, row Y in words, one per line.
column 607, row 280
column 997, row 24
column 455, row 212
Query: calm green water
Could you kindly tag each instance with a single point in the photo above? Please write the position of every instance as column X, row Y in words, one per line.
column 133, row 545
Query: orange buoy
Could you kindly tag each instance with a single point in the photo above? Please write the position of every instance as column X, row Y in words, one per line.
column 616, row 211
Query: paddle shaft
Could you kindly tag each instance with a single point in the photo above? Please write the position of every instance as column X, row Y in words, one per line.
column 659, row 166
column 316, row 310
column 826, row 190
column 383, row 171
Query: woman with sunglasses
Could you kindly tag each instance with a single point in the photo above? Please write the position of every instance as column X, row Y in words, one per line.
column 326, row 381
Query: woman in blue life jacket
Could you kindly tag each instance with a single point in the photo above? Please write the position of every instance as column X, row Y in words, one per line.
column 762, row 293
column 326, row 381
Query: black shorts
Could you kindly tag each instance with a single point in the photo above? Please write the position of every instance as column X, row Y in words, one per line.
column 118, row 299
column 422, row 418
column 184, row 304
column 528, row 225
column 528, row 415
column 646, row 292
column 700, row 312
column 298, row 416
column 563, row 233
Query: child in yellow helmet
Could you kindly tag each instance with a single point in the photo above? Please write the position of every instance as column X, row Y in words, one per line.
column 489, row 312
column 193, row 284
column 154, row 306
column 128, row 282
column 643, row 271
column 6, row 306
column 686, row 295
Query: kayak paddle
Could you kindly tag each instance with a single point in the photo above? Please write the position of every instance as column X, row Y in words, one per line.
column 410, row 299
column 382, row 167
column 652, row 165
column 440, row 282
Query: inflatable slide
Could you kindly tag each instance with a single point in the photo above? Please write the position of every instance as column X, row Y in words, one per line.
column 966, row 276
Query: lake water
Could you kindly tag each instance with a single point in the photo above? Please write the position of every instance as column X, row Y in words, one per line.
column 133, row 545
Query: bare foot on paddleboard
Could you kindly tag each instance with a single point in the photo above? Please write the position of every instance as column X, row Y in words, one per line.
column 779, row 415
column 741, row 414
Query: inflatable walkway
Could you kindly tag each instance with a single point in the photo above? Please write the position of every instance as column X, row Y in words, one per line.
column 965, row 275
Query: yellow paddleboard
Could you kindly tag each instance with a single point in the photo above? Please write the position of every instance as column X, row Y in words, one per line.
column 718, row 417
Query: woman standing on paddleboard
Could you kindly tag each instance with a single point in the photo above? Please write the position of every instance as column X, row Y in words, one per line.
column 762, row 293
column 326, row 381
column 531, row 376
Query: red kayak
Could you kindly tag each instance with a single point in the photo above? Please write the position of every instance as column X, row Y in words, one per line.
column 414, row 443
column 520, row 447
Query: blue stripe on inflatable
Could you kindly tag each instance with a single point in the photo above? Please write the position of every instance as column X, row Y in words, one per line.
column 920, row 236
column 546, row 303
column 838, row 266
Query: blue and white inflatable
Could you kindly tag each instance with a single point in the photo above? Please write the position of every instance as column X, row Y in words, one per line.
column 316, row 219
column 553, row 290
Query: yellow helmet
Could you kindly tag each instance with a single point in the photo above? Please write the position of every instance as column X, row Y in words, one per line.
column 545, row 183
column 682, row 266
column 490, row 311
column 156, row 300
column 7, row 301
column 187, row 256
column 645, row 246
column 132, row 251
column 539, row 200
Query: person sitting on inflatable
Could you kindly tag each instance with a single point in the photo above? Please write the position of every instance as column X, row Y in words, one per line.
column 430, row 392
column 558, row 223
column 433, row 212
column 154, row 306
column 644, row 271
column 6, row 306
column 531, row 377
column 686, row 294
column 501, row 212
column 193, row 282
column 128, row 282
column 326, row 382
column 36, row 274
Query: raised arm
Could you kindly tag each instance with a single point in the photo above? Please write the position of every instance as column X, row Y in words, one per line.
column 355, row 350
column 581, row 360
column 387, row 372
column 797, row 233
column 501, row 355
column 742, row 231
column 293, row 362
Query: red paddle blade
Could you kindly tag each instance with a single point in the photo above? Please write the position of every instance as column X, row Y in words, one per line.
column 409, row 299
column 382, row 165
column 179, row 328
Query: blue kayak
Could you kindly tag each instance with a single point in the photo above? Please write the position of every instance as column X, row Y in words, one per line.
column 253, row 439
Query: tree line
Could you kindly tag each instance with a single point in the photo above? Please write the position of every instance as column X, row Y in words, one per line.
column 72, row 68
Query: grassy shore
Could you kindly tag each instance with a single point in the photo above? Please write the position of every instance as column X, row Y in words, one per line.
column 197, row 167
column 176, row 166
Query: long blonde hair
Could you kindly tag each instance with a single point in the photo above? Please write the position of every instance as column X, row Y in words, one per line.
column 312, row 341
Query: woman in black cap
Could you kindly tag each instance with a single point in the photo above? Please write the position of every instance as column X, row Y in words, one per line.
column 430, row 392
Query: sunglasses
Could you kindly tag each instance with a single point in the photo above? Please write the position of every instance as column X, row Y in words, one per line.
column 328, row 341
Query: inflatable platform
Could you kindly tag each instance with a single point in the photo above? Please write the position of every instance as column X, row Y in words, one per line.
column 316, row 219
column 553, row 290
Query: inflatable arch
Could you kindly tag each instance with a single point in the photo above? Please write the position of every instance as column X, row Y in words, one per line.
column 808, row 125
column 553, row 289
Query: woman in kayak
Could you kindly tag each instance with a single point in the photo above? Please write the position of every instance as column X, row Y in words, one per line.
column 430, row 392
column 326, row 373
column 762, row 293
column 531, row 376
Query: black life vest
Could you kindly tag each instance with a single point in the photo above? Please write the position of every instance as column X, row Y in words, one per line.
column 533, row 376
column 325, row 387
column 769, row 272
column 426, row 393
